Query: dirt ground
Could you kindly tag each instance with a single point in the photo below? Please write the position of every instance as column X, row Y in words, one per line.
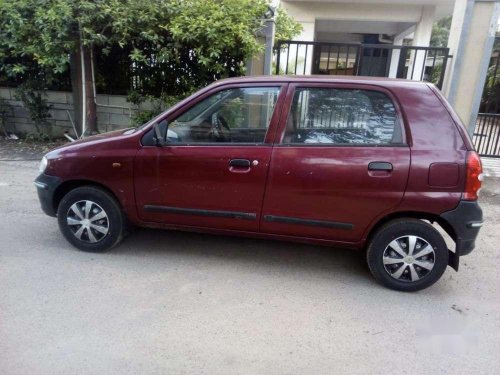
column 26, row 149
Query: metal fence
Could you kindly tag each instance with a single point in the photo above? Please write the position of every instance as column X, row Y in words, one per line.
column 486, row 137
column 378, row 60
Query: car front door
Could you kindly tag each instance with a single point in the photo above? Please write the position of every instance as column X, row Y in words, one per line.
column 340, row 161
column 212, row 170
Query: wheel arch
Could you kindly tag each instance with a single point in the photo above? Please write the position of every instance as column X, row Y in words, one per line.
column 433, row 218
column 65, row 187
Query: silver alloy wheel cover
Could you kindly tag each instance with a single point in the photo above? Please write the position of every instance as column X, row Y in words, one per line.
column 408, row 258
column 87, row 221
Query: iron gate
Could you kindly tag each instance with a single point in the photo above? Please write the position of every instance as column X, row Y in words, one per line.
column 486, row 135
column 379, row 60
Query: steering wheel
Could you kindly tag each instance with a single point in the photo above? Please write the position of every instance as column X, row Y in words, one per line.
column 218, row 124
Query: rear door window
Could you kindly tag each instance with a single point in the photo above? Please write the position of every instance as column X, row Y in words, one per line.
column 339, row 116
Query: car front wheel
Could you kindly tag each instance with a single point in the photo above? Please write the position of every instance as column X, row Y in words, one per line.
column 407, row 255
column 91, row 219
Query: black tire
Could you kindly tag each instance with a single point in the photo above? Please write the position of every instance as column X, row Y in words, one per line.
column 407, row 232
column 114, row 221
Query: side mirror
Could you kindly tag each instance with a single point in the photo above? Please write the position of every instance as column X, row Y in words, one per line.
column 159, row 139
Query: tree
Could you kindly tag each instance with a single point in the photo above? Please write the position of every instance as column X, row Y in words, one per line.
column 201, row 40
column 440, row 32
column 286, row 27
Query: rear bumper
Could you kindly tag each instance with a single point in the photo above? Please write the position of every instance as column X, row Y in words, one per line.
column 46, row 186
column 466, row 220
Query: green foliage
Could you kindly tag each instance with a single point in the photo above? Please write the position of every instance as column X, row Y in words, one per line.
column 440, row 32
column 435, row 75
column 491, row 92
column 493, row 77
column 35, row 102
column 235, row 112
column 34, row 32
column 170, row 47
column 149, row 106
column 175, row 44
column 286, row 27
column 215, row 30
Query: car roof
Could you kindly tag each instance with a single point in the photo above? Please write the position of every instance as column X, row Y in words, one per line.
column 380, row 81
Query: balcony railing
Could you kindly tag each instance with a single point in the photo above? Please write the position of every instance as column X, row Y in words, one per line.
column 378, row 60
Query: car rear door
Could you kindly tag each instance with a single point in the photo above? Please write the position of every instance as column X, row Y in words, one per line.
column 212, row 171
column 341, row 160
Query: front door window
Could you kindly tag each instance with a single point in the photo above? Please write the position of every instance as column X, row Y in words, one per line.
column 236, row 115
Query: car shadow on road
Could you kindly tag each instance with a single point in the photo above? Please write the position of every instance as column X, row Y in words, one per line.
column 258, row 253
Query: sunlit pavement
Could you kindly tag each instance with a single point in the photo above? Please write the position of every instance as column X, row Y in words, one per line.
column 172, row 303
column 491, row 166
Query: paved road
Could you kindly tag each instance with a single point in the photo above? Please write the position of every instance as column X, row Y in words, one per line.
column 178, row 303
column 491, row 166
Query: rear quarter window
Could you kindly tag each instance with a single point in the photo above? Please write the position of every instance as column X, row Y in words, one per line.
column 339, row 116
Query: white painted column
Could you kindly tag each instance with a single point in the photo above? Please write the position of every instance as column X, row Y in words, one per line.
column 457, row 32
column 421, row 38
column 396, row 53
column 470, row 62
column 269, row 31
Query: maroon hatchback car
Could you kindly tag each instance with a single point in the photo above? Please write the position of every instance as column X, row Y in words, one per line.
column 347, row 162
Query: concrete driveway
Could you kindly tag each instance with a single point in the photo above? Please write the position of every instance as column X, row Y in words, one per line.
column 179, row 303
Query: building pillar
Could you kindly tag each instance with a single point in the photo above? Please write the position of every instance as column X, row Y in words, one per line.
column 395, row 54
column 421, row 38
column 262, row 63
column 472, row 50
column 457, row 33
column 255, row 65
column 269, row 31
column 393, row 68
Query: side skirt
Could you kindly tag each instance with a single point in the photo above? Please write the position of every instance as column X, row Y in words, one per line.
column 257, row 235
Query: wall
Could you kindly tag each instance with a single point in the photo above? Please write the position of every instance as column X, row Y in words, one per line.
column 110, row 115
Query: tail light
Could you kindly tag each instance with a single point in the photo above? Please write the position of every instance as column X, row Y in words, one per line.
column 473, row 176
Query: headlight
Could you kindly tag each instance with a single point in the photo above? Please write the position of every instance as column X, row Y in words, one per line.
column 43, row 165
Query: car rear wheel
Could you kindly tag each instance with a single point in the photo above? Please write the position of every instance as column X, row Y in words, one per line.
column 91, row 219
column 407, row 255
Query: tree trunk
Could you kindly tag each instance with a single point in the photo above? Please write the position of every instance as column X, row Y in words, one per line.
column 83, row 92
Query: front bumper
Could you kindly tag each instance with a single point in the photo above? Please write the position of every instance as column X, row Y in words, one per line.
column 466, row 220
column 46, row 186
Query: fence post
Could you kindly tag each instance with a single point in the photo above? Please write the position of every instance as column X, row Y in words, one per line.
column 402, row 63
column 357, row 62
column 277, row 49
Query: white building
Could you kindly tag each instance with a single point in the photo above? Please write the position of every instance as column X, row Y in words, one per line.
column 388, row 23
